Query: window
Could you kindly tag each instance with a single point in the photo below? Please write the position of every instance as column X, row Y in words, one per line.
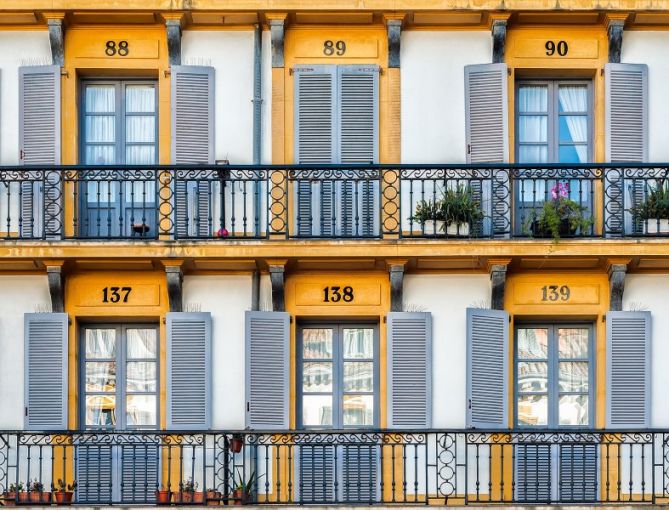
column 120, row 377
column 338, row 376
column 554, row 376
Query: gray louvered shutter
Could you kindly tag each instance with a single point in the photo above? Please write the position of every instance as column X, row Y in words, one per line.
column 46, row 369
column 39, row 144
column 360, row 473
column 189, row 372
column 358, row 128
column 487, row 368
column 409, row 370
column 267, row 366
column 93, row 473
column 139, row 472
column 476, row 191
column 628, row 369
column 316, row 478
column 533, row 473
column 578, row 473
column 315, row 96
column 192, row 143
column 626, row 112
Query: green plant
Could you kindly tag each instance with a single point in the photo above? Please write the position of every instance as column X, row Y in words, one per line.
column 63, row 487
column 459, row 206
column 656, row 205
column 36, row 486
column 559, row 214
column 16, row 487
column 189, row 485
column 428, row 210
column 246, row 486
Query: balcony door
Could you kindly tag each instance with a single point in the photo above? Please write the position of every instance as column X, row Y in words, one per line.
column 119, row 126
column 338, row 381
column 119, row 391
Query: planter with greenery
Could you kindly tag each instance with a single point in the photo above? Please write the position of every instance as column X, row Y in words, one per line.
column 460, row 211
column 163, row 496
column 11, row 496
column 188, row 493
column 654, row 211
column 560, row 216
column 430, row 216
column 65, row 492
column 37, row 493
column 244, row 489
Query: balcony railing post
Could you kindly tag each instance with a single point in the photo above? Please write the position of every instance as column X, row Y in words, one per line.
column 165, row 190
column 613, row 202
column 501, row 203
column 53, row 205
column 278, row 204
column 390, row 191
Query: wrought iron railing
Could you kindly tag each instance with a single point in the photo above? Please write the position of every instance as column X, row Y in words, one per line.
column 336, row 467
column 217, row 202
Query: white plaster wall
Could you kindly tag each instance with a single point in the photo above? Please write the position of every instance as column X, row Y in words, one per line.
column 651, row 48
column 227, row 298
column 447, row 297
column 649, row 292
column 19, row 48
column 18, row 295
column 230, row 53
column 433, row 92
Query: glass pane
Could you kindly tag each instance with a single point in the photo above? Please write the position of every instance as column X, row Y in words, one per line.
column 317, row 377
column 573, row 98
column 140, row 193
column 532, row 343
column 100, row 128
column 573, row 342
column 533, row 376
column 316, row 410
column 97, row 192
column 141, row 410
column 359, row 410
column 573, row 410
column 100, row 343
column 533, row 98
column 100, row 154
column 140, row 98
column 358, row 376
column 533, row 128
column 358, row 343
column 100, row 98
column 141, row 376
column 142, row 343
column 574, row 376
column 532, row 191
column 533, row 410
column 140, row 155
column 573, row 154
column 573, row 128
column 317, row 343
column 100, row 410
column 533, row 154
column 140, row 128
column 101, row 376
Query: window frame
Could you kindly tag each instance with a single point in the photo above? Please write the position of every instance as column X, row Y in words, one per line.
column 553, row 390
column 121, row 360
column 337, row 375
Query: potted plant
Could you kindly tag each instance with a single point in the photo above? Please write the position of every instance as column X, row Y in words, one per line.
column 429, row 214
column 12, row 494
column 188, row 493
column 654, row 211
column 163, row 496
column 213, row 497
column 460, row 211
column 24, row 496
column 236, row 443
column 243, row 489
column 65, row 492
column 37, row 493
column 560, row 216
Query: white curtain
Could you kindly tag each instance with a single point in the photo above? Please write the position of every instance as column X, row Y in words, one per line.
column 574, row 99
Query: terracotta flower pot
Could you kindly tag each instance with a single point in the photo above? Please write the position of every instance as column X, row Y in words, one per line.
column 24, row 498
column 64, row 497
column 163, row 497
column 236, row 444
column 9, row 499
column 213, row 498
column 198, row 497
column 43, row 498
column 241, row 497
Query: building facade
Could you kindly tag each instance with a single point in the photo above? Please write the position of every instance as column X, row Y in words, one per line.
column 343, row 253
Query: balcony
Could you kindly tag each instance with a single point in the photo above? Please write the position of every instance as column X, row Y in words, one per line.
column 363, row 467
column 219, row 203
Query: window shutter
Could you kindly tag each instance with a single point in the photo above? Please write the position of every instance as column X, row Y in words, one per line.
column 189, row 373
column 139, row 473
column 409, row 370
column 39, row 144
column 578, row 472
column 533, row 473
column 46, row 361
column 487, row 368
column 628, row 369
column 315, row 95
column 192, row 143
column 94, row 473
column 316, row 473
column 360, row 473
column 486, row 117
column 626, row 112
column 267, row 366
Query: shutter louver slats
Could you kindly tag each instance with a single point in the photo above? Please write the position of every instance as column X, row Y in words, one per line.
column 317, row 472
column 487, row 371
column 94, row 474
column 533, row 473
column 188, row 370
column 139, row 473
column 360, row 473
column 267, row 344
column 410, row 369
column 46, row 370
column 486, row 113
column 578, row 472
column 628, row 369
